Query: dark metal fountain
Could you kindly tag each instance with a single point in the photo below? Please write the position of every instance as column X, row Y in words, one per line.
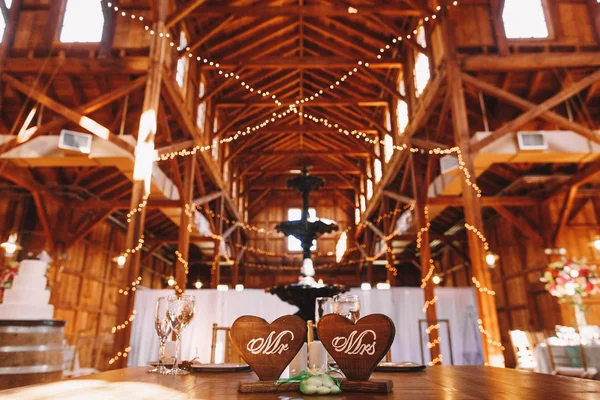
column 304, row 293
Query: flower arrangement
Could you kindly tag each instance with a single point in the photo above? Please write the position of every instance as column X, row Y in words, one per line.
column 569, row 280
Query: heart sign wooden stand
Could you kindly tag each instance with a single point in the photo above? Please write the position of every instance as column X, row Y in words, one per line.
column 357, row 347
column 268, row 348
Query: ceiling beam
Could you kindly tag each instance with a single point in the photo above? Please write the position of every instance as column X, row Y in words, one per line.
column 305, row 11
column 306, row 63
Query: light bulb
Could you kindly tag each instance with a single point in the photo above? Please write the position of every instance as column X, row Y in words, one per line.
column 121, row 260
column 365, row 286
column 239, row 287
column 490, row 259
column 436, row 279
column 10, row 248
column 198, row 285
column 171, row 281
column 222, row 288
column 596, row 244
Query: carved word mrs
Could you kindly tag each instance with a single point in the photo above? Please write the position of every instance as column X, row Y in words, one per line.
column 353, row 344
column 271, row 345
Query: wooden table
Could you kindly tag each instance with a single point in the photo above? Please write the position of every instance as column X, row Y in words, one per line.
column 434, row 383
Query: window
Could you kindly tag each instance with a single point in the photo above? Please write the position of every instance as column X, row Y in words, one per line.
column 422, row 72
column 201, row 116
column 341, row 246
column 402, row 115
column 524, row 19
column 388, row 147
column 182, row 63
column 83, row 22
column 2, row 21
column 357, row 216
column 363, row 203
column 295, row 214
column 369, row 189
column 377, row 169
column 215, row 148
column 388, row 119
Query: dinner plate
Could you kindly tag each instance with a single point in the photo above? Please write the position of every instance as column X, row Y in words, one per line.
column 196, row 367
column 405, row 366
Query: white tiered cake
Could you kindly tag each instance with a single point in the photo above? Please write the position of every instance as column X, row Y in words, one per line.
column 27, row 299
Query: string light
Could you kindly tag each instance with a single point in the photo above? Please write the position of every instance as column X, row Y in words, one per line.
column 481, row 288
column 183, row 261
column 117, row 328
column 480, row 235
column 429, row 274
column 437, row 360
column 132, row 287
column 431, row 345
column 429, row 303
column 431, row 328
column 489, row 337
column 139, row 207
column 134, row 250
column 120, row 354
column 298, row 267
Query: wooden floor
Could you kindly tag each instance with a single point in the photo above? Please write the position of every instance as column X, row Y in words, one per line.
column 446, row 382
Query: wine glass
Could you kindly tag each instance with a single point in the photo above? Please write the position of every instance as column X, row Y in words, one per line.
column 347, row 305
column 180, row 311
column 322, row 308
column 163, row 330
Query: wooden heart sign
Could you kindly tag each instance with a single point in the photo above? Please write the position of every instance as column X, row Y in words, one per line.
column 357, row 347
column 268, row 348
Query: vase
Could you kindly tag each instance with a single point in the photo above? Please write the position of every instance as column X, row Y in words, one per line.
column 579, row 312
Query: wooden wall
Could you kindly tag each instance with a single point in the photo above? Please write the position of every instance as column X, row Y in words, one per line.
column 84, row 280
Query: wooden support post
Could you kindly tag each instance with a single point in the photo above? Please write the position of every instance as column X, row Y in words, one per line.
column 140, row 190
column 184, row 233
column 420, row 186
column 472, row 207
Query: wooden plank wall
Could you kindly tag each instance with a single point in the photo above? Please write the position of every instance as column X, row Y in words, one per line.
column 84, row 281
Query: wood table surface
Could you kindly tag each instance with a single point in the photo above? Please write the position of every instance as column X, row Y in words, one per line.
column 441, row 382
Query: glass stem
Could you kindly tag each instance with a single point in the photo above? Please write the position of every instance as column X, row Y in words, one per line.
column 161, row 351
column 178, row 351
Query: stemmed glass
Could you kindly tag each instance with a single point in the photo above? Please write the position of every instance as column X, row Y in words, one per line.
column 180, row 311
column 347, row 305
column 163, row 330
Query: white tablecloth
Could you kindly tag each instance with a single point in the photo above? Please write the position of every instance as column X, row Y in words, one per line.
column 403, row 305
column 592, row 356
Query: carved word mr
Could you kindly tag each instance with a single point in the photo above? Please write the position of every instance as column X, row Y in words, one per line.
column 353, row 344
column 271, row 345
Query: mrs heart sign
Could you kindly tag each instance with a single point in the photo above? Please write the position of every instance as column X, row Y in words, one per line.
column 358, row 347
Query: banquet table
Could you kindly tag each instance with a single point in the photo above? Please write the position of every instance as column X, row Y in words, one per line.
column 441, row 382
column 592, row 356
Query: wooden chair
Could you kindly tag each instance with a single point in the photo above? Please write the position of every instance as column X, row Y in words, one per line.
column 570, row 361
column 231, row 353
column 524, row 349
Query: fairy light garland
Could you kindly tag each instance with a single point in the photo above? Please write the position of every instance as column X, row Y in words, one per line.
column 437, row 360
column 139, row 207
column 298, row 267
column 480, row 235
column 429, row 274
column 429, row 303
column 489, row 337
column 432, row 328
column 122, row 326
column 134, row 250
column 120, row 354
column 431, row 345
column 183, row 261
column 481, row 288
column 132, row 287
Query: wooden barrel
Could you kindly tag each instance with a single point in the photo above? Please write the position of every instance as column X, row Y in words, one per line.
column 30, row 352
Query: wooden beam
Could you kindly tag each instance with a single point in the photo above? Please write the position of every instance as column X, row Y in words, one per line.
column 307, row 62
column 181, row 12
column 529, row 61
column 565, row 212
column 70, row 114
column 305, row 11
column 520, row 223
column 524, row 104
column 185, row 220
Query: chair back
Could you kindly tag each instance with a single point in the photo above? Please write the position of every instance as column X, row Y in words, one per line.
column 567, row 357
column 523, row 344
column 231, row 354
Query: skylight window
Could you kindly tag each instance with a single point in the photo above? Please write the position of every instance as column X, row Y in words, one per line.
column 201, row 116
column 3, row 22
column 83, row 22
column 388, row 147
column 369, row 189
column 524, row 19
column 377, row 169
column 422, row 72
column 182, row 63
column 402, row 115
column 295, row 214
